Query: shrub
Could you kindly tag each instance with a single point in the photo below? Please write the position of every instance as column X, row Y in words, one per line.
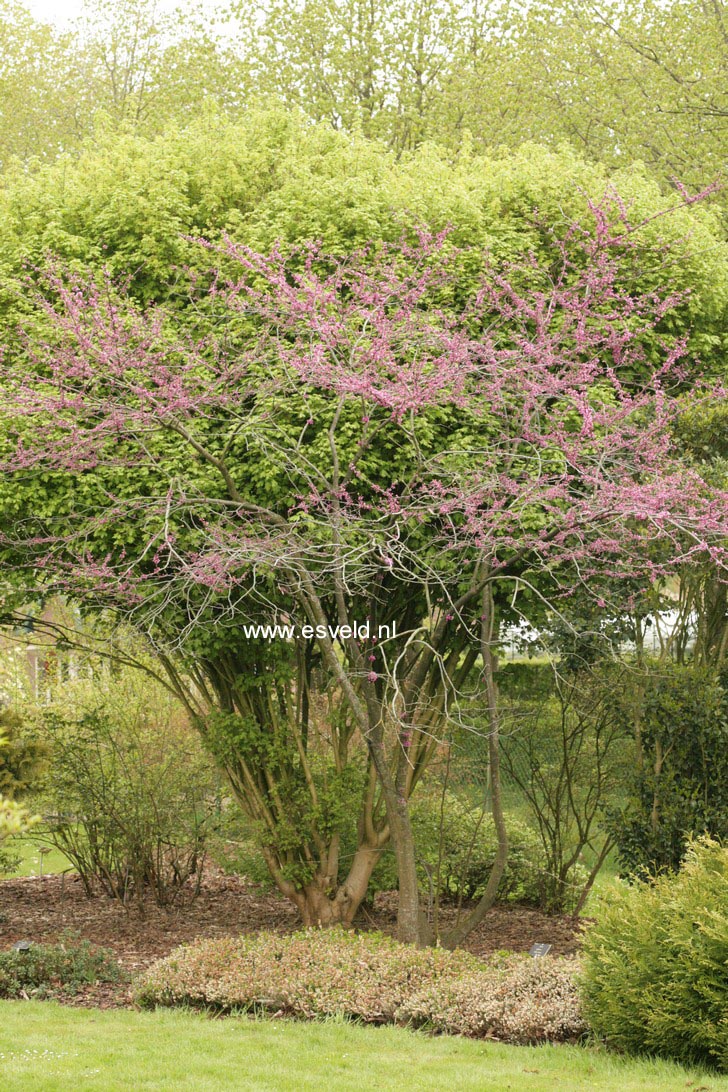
column 14, row 819
column 47, row 970
column 567, row 754
column 656, row 963
column 132, row 794
column 679, row 787
column 523, row 1000
column 22, row 762
column 372, row 978
column 458, row 864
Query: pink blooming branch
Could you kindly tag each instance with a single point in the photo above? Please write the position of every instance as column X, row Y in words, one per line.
column 342, row 422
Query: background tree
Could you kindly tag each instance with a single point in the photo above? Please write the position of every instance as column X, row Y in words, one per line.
column 621, row 82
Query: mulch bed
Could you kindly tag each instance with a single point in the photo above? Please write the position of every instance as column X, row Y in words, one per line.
column 42, row 910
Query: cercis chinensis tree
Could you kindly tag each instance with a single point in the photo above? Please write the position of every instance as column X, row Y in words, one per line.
column 399, row 438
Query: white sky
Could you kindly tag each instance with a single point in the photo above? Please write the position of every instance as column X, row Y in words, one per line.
column 62, row 12
column 54, row 11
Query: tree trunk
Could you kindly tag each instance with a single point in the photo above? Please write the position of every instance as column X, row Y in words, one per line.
column 458, row 934
column 412, row 924
column 319, row 905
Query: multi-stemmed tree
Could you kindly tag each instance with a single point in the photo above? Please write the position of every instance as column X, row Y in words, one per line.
column 411, row 437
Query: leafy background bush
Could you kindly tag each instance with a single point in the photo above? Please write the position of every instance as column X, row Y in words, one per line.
column 566, row 751
column 371, row 977
column 131, row 796
column 22, row 763
column 456, row 847
column 679, row 788
column 656, row 962
column 23, row 759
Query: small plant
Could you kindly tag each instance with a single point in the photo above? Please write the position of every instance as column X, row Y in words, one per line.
column 50, row 970
column 656, row 963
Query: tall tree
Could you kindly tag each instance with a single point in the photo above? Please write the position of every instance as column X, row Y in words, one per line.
column 348, row 441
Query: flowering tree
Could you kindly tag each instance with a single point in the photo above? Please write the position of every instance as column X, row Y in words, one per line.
column 401, row 438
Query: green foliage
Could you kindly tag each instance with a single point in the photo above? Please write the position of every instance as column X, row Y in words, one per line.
column 132, row 202
column 372, row 978
column 23, row 760
column 680, row 787
column 132, row 796
column 312, row 801
column 125, row 64
column 566, row 752
column 454, row 867
column 656, row 963
column 456, row 848
column 14, row 819
column 55, row 970
column 639, row 80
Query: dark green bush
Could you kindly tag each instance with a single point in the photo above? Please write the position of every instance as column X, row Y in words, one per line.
column 372, row 978
column 656, row 963
column 679, row 787
column 49, row 970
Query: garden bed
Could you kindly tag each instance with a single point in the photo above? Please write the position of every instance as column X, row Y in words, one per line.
column 44, row 909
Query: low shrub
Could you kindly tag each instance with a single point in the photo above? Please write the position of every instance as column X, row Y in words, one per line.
column 520, row 1000
column 372, row 978
column 51, row 970
column 656, row 963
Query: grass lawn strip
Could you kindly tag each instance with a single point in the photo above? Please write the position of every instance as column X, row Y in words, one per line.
column 45, row 1047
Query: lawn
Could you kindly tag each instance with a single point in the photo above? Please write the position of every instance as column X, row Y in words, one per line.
column 28, row 850
column 46, row 1047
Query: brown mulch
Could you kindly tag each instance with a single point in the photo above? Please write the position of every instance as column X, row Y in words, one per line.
column 42, row 910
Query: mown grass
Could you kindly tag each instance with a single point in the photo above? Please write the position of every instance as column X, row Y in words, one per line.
column 49, row 1048
column 28, row 849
